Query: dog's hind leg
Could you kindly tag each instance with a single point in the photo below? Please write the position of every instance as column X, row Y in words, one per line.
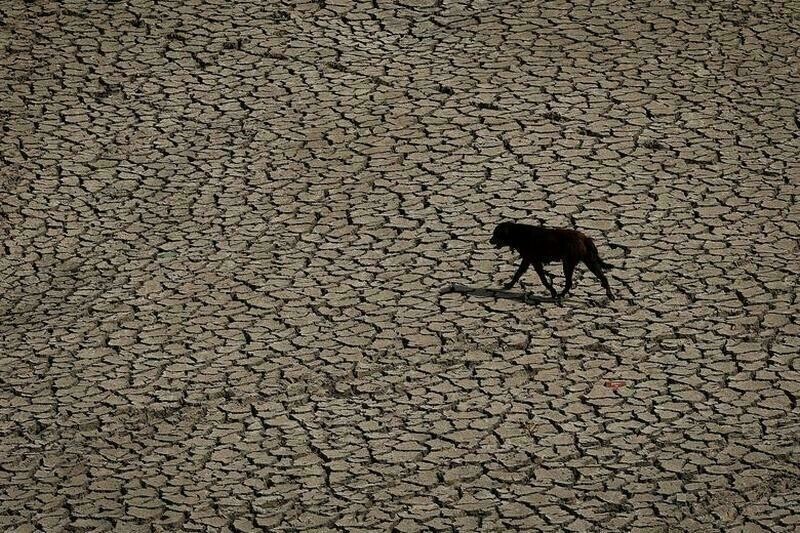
column 569, row 269
column 518, row 274
column 543, row 276
column 597, row 269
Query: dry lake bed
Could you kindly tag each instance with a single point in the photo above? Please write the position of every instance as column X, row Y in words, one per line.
column 246, row 283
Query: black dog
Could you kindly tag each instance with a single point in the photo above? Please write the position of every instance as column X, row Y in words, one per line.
column 539, row 245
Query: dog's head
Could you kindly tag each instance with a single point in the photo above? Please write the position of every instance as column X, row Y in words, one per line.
column 501, row 235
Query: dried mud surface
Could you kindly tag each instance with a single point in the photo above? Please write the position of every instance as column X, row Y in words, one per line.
column 227, row 226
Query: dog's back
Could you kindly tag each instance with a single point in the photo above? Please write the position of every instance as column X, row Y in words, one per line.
column 540, row 243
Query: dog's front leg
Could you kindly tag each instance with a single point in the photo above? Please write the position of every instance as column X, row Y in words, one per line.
column 543, row 276
column 518, row 274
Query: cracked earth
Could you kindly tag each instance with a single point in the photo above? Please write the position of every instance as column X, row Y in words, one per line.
column 227, row 226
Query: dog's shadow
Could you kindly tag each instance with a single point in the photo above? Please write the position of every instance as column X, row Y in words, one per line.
column 481, row 292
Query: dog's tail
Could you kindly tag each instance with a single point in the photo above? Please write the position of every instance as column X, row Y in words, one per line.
column 595, row 256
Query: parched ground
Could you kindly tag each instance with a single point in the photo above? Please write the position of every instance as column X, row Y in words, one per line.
column 226, row 225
